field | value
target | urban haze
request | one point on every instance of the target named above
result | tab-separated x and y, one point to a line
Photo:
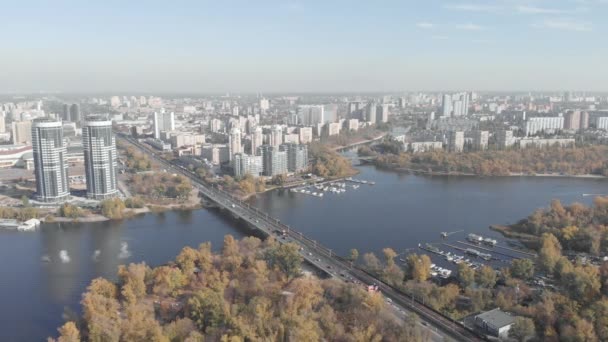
304	171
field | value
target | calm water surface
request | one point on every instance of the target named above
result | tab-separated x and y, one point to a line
400	211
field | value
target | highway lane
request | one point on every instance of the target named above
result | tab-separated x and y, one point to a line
440	328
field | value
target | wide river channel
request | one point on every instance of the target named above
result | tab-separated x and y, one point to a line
43	273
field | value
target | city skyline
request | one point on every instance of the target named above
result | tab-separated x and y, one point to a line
307	46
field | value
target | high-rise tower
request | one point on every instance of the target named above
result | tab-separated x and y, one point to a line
100	162
50	166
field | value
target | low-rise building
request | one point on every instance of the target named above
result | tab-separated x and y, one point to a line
332	128
352	124
187	139
291	139
10	155
495	322
158	144
423	146
536	142
216	153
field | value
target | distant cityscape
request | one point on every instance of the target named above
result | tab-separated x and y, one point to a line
69	141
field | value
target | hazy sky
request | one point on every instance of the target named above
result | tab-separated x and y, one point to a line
288	46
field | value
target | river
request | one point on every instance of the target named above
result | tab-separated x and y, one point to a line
399	211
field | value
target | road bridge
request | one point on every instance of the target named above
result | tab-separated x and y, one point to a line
318	255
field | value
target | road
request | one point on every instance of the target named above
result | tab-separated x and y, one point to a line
440	327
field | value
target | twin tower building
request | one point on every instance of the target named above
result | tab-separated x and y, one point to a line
50	159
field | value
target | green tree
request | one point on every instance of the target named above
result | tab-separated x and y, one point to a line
286	257
486	277
371	262
279	179
522	268
466	275
207	310
523	329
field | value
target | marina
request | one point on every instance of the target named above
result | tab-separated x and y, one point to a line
476	251
334	187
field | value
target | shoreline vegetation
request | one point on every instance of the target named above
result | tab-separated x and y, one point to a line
251	290
575	162
578	227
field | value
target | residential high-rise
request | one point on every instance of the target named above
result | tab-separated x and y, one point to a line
274	160
276	136
382	113
169	121
505	139
156	125
257	139
75	113
305	135
100	160
572	120
371	112
22	132
50	165
310	115
480	140
264	104
584	120
446	108
297	157
163	121
234	142
66	112
455	105
356	110
2	122
244	164
456	141
576	120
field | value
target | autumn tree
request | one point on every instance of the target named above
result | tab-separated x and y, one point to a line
132	278
486	277
549	253
353	255
418	267
389	256
69	333
207	310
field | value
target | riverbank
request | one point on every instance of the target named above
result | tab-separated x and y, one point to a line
529	241
467	174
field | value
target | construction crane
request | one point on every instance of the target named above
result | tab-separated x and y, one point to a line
446	234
